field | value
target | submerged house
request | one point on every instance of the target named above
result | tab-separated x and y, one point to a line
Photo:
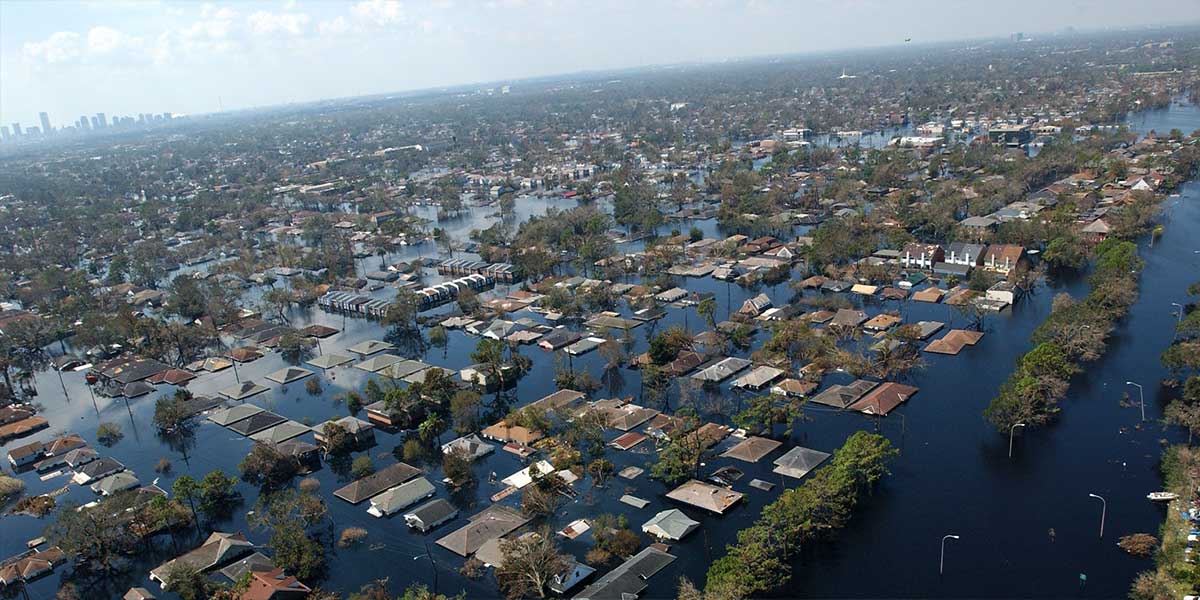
629	578
219	549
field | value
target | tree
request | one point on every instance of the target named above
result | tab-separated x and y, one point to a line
601	471
189	583
186	488
1068	251
361	467
764	412
708	309
468	301
665	346
267	467
456	466
530	563
431	429
216	494
544	495
402	313
170	412
490	354
338	441
289	514
680	458
464	411
278	300
98	537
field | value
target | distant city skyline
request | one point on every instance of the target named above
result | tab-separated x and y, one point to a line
130	56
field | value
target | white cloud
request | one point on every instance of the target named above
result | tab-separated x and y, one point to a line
264	23
336	26
102	40
60	47
380	12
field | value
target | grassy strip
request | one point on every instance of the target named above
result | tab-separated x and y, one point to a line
1173	578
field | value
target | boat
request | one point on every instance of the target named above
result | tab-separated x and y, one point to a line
1162	496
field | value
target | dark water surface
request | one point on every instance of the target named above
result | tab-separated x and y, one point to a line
953	476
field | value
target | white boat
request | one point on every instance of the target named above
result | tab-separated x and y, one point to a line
1162	496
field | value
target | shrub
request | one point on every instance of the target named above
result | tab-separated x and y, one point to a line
310	485
351	536
38	506
10	487
472	569
163	465
361	467
109	433
598	557
1139	544
312	385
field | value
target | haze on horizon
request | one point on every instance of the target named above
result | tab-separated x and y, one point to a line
71	58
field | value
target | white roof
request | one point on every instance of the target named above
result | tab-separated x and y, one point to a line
524	477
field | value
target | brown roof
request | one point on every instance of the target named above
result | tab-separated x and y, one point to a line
273	585
1000	252
752	449
796	386
628	440
884	398
953	342
930	294
23	427
504	433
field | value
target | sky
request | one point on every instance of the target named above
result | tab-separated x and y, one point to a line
132	56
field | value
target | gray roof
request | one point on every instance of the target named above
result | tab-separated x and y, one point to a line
403	369
431	513
722	370
672	524
376	483
629	577
473	444
402	496
378	363
115	483
326	361
256	423
289	374
370	347
243	390
798	461
234	414
281	432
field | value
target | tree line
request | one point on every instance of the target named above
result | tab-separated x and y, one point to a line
1075	332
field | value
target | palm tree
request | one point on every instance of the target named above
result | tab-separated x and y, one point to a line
431	428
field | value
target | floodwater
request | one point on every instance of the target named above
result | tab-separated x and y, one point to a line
1027	525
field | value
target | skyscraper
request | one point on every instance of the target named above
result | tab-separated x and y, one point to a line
17	129
103	121
83	123
5	135
45	118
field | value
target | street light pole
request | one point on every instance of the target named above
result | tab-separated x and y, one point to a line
1141	397
1010	436
942	561
1103	511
